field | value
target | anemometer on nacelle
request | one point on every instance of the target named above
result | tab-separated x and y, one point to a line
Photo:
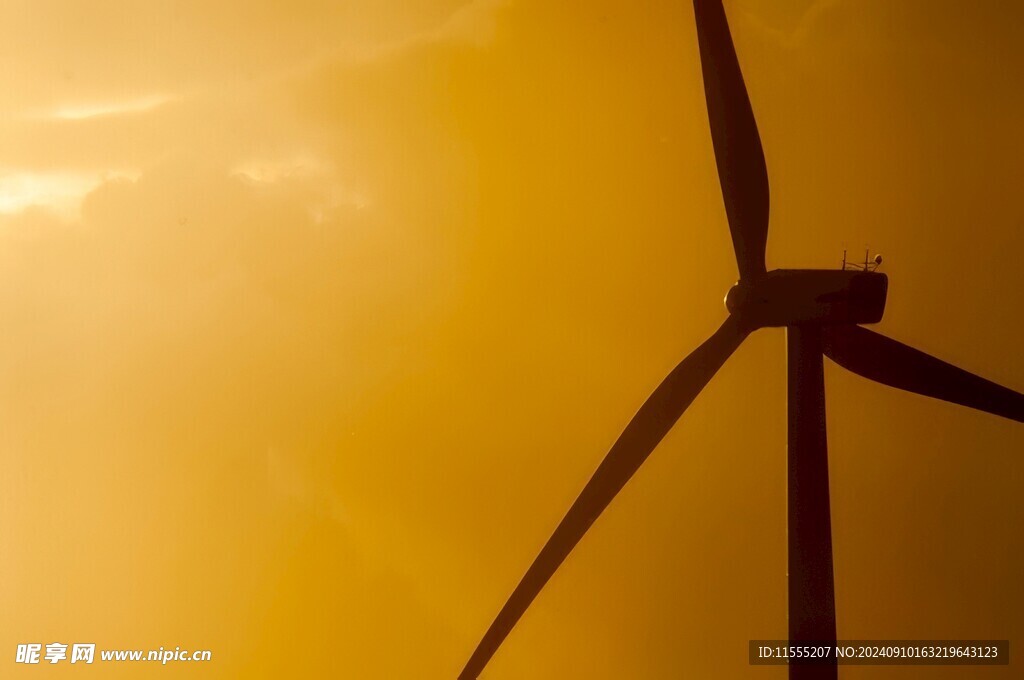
869	265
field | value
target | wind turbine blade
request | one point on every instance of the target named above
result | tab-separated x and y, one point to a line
892	363
650	424
741	167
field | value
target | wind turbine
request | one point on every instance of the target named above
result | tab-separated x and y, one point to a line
821	310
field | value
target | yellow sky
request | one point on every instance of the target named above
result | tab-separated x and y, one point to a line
318	315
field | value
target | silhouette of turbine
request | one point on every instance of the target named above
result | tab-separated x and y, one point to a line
820	310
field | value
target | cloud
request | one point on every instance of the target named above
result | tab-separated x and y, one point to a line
58	192
80	111
56	154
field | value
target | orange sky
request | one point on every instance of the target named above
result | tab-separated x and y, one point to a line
318	315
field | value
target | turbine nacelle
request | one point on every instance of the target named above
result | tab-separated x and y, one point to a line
789	297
